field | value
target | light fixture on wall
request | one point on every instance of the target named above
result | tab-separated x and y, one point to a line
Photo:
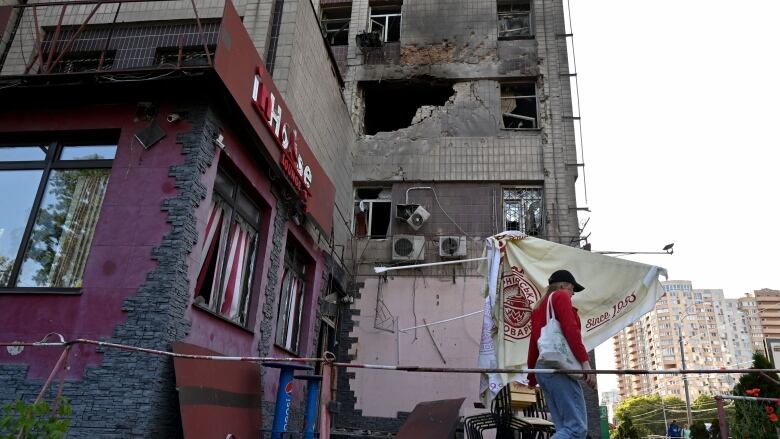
150	134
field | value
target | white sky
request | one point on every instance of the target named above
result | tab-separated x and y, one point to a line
679	100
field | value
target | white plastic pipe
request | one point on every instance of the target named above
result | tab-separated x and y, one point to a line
429	264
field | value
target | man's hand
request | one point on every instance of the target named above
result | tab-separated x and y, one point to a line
588	378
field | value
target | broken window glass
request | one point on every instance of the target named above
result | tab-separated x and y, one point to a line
519	106
372	213
523	210
335	25
514	19
386	21
228	251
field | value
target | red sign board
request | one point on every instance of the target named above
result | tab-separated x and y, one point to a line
239	66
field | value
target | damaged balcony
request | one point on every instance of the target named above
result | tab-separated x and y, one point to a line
95	37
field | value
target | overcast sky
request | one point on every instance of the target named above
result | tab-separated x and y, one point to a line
679	106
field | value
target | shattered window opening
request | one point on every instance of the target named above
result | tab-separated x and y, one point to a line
335	25
523	210
372	213
519	106
514	19
392	105
386	21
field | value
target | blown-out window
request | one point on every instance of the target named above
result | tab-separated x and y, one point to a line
519	106
51	198
228	252
514	19
335	25
372	212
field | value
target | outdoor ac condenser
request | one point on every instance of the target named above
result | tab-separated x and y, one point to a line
408	248
418	218
452	246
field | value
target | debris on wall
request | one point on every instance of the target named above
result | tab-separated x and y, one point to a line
413	54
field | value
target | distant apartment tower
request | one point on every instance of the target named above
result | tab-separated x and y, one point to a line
767	303
714	334
752	318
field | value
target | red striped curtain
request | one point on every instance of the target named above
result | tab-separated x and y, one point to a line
211	245
235	270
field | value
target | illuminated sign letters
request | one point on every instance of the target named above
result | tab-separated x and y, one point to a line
280	125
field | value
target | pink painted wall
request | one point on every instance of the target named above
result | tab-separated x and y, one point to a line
385	393
214	333
130	225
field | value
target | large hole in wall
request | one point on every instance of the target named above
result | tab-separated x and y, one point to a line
391	105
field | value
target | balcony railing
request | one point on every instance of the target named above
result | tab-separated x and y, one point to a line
99	36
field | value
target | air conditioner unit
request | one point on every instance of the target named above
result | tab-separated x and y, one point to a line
408	248
418	218
452	246
404	211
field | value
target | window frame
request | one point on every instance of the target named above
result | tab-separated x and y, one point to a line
50	162
216	298
299	263
535	98
500	14
331	34
370	216
543	226
377	12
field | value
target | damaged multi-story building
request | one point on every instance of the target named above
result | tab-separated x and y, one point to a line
466	128
158	203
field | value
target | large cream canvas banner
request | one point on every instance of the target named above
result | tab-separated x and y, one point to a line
617	293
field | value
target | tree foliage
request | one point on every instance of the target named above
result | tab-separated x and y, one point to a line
752	419
36	420
627	430
647	412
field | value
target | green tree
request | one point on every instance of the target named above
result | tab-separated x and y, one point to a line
36	420
752	419
647	412
627	430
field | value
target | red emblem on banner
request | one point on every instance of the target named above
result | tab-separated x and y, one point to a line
520	295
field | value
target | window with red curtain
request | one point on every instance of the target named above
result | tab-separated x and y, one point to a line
288	316
228	251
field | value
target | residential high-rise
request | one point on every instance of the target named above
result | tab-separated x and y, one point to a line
466	127
713	331
752	317
767	302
